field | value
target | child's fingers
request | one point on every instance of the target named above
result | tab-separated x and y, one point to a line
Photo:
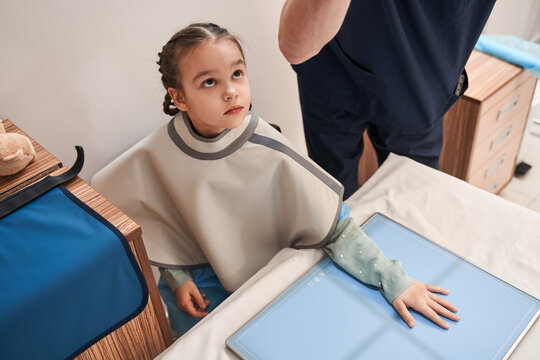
206	301
193	311
190	300
433	316
437	289
443	302
187	305
402	310
199	300
441	310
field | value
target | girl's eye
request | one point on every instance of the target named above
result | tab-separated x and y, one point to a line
209	83
237	74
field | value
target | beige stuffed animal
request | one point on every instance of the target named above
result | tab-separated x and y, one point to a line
16	151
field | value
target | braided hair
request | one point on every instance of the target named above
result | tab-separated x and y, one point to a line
181	42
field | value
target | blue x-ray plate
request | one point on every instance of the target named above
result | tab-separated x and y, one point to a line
327	314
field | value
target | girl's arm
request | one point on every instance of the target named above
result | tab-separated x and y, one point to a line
188	296
307	25
174	277
355	252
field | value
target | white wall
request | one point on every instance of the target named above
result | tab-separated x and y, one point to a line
520	18
83	72
76	72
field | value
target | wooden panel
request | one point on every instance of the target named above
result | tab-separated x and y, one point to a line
506	105
490	146
511	87
44	164
487	75
368	161
148	334
498	171
140	338
96	201
459	128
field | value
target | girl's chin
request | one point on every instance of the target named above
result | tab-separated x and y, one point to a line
234	124
236	120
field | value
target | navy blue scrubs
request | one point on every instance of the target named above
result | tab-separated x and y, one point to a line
394	68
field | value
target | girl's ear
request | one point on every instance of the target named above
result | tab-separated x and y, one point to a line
178	99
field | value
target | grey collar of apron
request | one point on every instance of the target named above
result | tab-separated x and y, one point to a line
183	135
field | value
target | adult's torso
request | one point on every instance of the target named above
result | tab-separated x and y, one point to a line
397	61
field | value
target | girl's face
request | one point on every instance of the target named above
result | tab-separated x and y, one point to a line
215	89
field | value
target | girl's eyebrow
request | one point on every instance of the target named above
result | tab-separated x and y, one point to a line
208	72
201	74
238	62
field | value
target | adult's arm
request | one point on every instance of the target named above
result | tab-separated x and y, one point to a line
307	25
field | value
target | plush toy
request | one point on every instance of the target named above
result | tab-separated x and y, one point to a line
16	151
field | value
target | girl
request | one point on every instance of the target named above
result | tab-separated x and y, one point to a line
218	191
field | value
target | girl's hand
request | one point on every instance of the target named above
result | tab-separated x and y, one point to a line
421	298
189	299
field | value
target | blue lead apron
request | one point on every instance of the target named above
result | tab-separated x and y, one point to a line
67	276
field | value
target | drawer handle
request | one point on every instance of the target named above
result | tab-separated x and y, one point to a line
494	167
493	186
501	138
508	107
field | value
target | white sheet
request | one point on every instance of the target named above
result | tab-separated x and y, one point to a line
490	232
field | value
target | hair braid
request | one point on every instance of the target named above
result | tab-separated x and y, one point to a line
169	76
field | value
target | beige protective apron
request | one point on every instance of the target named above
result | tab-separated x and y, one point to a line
232	201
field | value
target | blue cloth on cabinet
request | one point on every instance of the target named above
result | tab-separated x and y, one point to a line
67	276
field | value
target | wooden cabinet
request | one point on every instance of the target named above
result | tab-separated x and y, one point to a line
484	129
148	334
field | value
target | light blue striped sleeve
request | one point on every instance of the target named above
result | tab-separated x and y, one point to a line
174	277
356	253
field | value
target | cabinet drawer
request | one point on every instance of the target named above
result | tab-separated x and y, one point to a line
498	140
496	172
504	105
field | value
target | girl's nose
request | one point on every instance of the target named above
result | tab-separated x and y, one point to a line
230	93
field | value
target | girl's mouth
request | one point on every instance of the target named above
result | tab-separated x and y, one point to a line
234	110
